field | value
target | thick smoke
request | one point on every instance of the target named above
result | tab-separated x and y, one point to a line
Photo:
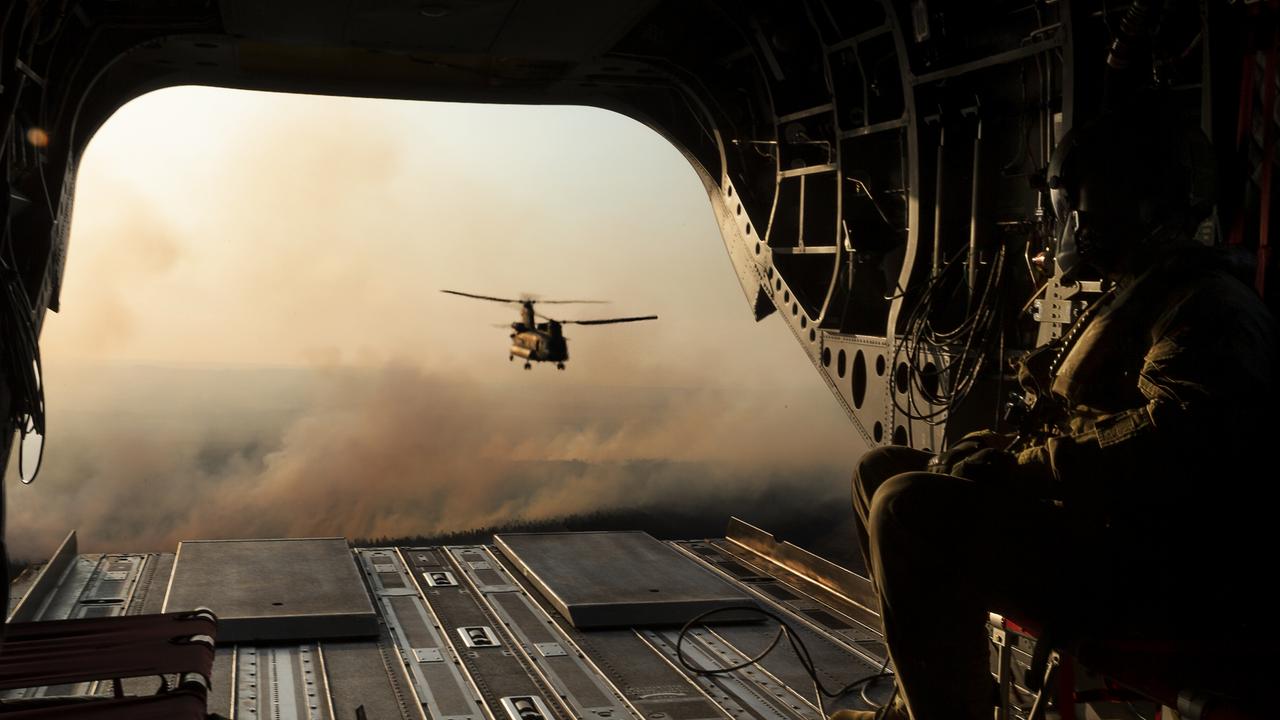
152	456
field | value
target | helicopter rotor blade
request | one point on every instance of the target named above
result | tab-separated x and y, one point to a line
570	302
482	297
609	321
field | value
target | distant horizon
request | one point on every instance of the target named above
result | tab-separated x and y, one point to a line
496	379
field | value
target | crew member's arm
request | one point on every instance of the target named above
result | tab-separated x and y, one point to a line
1206	344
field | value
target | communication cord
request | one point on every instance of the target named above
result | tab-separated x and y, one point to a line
797	646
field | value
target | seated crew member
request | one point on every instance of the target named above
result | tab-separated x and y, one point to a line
1140	507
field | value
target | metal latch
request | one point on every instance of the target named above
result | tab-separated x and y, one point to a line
441	578
525	707
476	636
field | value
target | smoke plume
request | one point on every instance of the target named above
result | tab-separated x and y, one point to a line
155	455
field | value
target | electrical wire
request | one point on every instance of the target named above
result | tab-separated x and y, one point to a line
22	366
20	363
20	352
797	646
862	691
955	355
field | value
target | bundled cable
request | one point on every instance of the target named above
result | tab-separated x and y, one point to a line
958	354
797	646
20	361
20	32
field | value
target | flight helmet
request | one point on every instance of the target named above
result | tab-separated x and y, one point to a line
1125	184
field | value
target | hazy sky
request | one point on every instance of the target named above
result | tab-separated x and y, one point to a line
235	227
219	233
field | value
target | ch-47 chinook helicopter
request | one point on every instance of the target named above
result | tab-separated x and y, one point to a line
544	341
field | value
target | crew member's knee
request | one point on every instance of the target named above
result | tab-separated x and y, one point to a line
880	464
904	503
869	473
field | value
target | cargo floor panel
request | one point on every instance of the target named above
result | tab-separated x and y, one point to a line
148	597
650	683
750	694
617	579
273	590
361	676
481	644
281	682
865	623
438	683
832	625
533	627
586	692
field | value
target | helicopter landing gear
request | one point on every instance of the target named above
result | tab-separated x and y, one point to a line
510	358
559	366
528	366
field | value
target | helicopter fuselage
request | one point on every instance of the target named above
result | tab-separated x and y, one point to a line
535	341
542	342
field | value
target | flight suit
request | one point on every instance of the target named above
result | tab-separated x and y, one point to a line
1142	507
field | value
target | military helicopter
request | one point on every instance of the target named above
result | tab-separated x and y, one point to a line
544	341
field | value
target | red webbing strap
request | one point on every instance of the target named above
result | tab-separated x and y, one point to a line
72	651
